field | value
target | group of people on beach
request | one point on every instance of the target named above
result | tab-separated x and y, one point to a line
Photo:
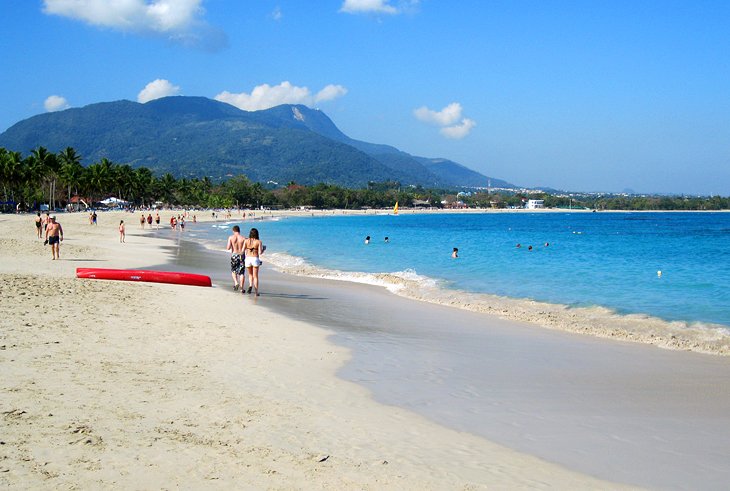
148	219
245	257
245	251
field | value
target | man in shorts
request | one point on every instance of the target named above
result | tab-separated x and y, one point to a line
235	245
54	236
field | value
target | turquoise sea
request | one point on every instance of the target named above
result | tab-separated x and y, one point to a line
655	418
591	260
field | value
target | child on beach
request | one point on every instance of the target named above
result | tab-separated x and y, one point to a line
121	231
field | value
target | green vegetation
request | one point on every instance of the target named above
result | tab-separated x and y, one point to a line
600	202
196	137
43	177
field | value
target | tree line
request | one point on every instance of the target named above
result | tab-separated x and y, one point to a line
44	177
600	202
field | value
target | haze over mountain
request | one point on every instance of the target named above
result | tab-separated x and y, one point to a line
196	137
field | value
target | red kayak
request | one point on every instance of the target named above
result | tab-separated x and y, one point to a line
144	275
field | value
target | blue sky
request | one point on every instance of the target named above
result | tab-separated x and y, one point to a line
578	95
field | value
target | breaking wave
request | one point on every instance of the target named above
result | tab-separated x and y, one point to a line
594	320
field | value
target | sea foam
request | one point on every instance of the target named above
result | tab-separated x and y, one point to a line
593	320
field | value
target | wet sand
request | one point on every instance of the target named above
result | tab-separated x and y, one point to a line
147	386
620	411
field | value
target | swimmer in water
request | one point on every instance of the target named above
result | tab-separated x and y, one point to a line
455	253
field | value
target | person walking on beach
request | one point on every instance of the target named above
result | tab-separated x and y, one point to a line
157	220
93	218
121	231
253	249
54	236
238	270
39	225
141	221
149	220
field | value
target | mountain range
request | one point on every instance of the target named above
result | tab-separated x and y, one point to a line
196	137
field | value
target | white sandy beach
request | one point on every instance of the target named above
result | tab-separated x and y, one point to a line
149	386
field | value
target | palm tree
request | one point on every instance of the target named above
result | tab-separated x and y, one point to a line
11	172
167	186
143	179
45	168
126	184
71	169
99	178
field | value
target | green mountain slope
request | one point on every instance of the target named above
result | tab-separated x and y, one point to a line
196	136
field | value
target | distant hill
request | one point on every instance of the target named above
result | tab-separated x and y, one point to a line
196	136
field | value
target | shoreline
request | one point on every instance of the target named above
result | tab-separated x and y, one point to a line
145	385
562	396
595	321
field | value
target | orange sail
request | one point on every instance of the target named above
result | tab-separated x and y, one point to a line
395	208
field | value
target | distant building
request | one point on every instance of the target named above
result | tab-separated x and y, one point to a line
534	204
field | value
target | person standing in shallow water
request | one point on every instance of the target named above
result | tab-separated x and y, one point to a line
238	270
253	249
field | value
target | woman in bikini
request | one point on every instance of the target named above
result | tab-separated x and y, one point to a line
253	249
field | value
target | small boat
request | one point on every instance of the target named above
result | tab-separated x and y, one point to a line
144	275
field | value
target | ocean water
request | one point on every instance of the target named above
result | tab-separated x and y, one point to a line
605	261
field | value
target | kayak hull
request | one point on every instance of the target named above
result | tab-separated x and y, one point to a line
145	275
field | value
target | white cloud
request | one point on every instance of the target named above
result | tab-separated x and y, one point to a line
179	20
448	115
368	6
459	131
276	14
156	89
330	92
144	15
379	7
55	103
447	119
266	96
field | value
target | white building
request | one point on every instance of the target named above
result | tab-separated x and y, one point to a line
534	204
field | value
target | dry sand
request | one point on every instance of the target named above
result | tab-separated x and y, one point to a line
131	386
